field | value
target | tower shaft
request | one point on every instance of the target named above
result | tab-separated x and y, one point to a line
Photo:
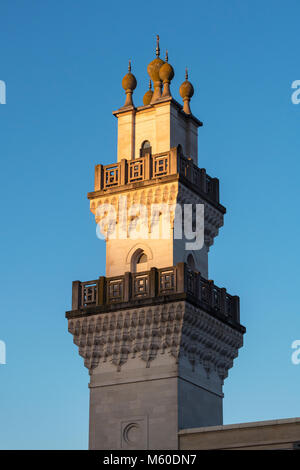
157	336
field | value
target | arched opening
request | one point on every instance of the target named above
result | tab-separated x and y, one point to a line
191	262
139	261
145	148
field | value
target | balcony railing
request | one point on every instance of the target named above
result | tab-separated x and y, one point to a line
156	166
132	287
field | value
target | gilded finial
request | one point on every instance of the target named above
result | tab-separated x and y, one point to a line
157	46
129	66
150	85
167	56
186	74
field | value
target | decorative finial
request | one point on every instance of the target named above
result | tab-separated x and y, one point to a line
150	85
129	84
153	71
186	91
167	56
157	46
148	96
166	74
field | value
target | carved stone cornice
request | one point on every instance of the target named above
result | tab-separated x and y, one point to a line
213	218
165	193
119	336
178	330
207	341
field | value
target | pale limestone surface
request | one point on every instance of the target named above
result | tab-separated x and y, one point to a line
163	124
161	252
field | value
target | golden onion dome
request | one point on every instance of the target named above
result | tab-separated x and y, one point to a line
155	65
129	81
153	69
186	89
166	71
148	95
129	84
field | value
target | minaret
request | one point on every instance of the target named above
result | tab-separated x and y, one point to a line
157	336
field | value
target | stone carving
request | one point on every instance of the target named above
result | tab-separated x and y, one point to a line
118	336
131	433
208	341
214	219
177	329
167	193
134	433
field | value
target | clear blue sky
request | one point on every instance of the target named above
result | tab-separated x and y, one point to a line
63	62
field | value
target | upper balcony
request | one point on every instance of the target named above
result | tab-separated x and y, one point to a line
158	166
133	290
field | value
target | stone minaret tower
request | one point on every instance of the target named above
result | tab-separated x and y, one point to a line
157	336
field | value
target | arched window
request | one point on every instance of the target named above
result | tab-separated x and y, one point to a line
145	148
191	262
139	261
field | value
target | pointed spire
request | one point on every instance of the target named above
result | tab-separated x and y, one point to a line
157	46
186	73
167	56
129	65
150	85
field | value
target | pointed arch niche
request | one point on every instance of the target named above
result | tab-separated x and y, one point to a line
138	258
